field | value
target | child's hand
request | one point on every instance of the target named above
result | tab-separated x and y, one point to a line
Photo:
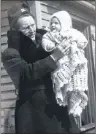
74	47
50	46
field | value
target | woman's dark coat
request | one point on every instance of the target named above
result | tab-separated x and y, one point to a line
36	109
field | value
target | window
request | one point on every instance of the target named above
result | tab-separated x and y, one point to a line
87	116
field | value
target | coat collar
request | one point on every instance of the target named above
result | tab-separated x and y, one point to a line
24	40
39	34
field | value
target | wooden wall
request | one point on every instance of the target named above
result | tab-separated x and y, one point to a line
8	96
77	12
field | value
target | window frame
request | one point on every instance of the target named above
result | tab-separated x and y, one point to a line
87	32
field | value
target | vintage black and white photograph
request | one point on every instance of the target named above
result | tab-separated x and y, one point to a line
48	67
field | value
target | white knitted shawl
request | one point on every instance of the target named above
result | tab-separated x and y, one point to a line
70	89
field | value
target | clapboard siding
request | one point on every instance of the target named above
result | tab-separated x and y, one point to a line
4	46
45	23
3	39
8	104
4	14
4	22
5	79
3	122
7	87
3	72
46	16
46	12
49	8
4	29
5	5
8	96
7	123
4	113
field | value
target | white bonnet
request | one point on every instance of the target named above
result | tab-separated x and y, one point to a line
64	18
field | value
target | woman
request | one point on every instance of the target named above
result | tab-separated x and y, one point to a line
36	109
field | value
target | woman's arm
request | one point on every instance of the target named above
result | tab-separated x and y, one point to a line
14	63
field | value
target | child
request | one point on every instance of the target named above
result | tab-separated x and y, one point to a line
69	90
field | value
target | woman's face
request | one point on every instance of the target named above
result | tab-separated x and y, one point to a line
27	26
55	25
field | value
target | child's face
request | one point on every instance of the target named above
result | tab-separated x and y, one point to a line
55	25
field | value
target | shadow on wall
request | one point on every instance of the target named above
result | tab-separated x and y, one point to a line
9	122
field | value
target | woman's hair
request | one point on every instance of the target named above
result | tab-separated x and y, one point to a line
16	12
16	26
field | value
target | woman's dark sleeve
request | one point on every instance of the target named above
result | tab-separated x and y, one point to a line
14	64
